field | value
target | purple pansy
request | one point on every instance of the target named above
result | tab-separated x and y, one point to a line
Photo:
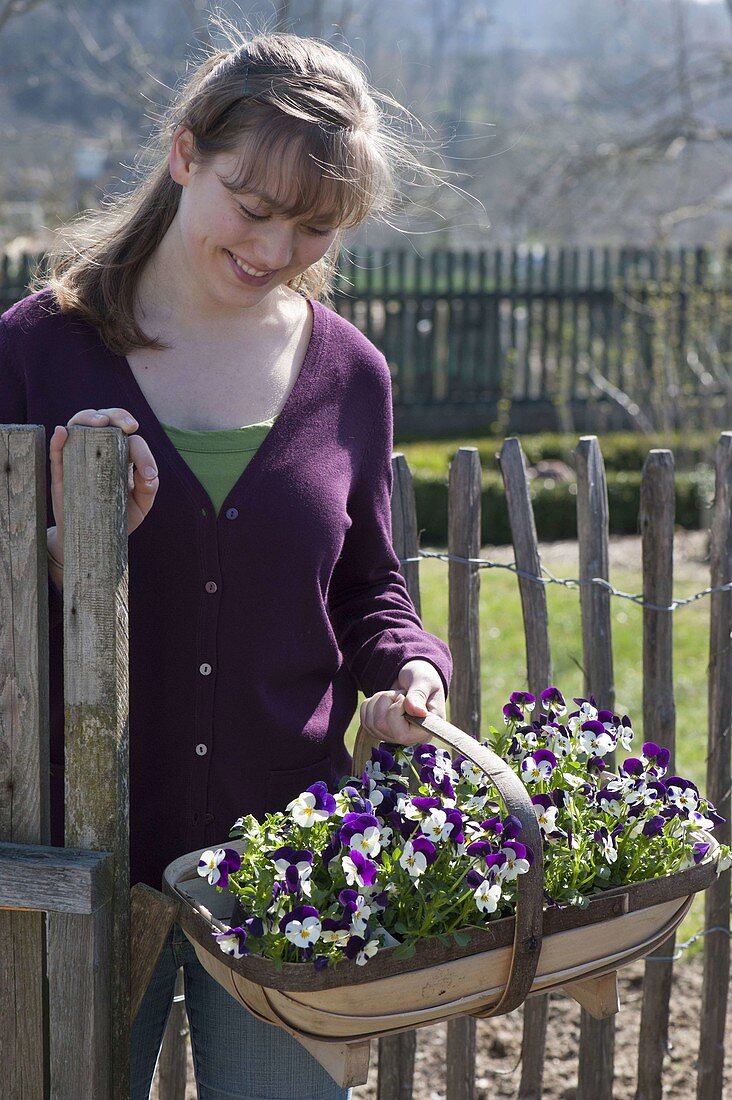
358	869
552	699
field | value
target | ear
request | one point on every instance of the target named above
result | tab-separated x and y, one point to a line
180	159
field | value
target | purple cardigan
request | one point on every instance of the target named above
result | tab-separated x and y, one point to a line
250	632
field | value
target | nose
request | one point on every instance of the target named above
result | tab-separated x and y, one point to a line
276	244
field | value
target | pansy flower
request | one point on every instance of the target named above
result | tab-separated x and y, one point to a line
301	926
518	860
313	805
552	699
360	950
416	856
656	757
538	767
359	870
294	866
218	864
594	739
487	896
232	941
546	812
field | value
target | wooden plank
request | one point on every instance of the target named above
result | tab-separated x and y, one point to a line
79	970
597	1033
24	640
24	774
659	725
539	676
23	1020
404	531
62	880
715	987
396	1066
97	694
151	918
598	996
173	1062
464	640
396	1053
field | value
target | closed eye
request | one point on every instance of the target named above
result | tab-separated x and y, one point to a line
315	230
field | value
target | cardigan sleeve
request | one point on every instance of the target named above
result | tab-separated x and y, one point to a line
14	410
373	617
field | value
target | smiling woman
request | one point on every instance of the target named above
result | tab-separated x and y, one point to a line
264	590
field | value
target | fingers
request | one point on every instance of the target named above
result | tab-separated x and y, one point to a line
105	418
142	482
382	715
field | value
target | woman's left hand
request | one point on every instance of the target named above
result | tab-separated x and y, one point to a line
417	690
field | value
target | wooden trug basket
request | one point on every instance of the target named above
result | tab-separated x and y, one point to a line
335	1013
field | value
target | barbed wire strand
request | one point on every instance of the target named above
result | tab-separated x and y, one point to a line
682	947
567	582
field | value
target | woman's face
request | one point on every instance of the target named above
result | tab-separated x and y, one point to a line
233	250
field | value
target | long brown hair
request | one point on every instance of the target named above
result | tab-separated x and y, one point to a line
278	99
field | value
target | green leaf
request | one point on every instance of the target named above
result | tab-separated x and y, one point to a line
462	939
404	951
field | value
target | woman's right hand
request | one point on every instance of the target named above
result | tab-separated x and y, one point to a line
142	482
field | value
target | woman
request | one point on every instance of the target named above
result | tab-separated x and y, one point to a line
264	590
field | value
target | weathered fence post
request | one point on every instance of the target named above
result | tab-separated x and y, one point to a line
539	670
97	797
717	902
597	1037
659	725
23	749
397	1052
464	640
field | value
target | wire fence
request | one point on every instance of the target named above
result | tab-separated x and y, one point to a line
567	582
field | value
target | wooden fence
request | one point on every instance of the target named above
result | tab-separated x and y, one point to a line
538	338
69	983
72	1040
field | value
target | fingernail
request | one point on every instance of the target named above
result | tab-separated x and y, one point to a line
150	473
130	420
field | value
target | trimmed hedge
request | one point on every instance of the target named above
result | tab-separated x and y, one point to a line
625	451
555	506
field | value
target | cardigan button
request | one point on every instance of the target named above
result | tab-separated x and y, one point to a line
232	513
201	750
211	586
205	669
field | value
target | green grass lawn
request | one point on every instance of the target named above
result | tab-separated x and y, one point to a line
503	659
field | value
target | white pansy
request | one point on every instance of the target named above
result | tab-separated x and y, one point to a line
487	897
208	865
303	933
684	797
368	842
413	862
366	952
436	827
338	936
547	817
230	945
471	773
513	867
595	744
360	916
304	812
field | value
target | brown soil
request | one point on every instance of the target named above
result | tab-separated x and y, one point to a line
498	1066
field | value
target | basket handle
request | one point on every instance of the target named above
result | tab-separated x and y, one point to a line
530	887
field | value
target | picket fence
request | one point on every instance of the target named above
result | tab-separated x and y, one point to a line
66	991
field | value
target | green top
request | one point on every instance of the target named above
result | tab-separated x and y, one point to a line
218	458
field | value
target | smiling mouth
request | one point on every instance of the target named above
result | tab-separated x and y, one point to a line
245	267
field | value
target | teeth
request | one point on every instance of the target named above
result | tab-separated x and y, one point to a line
248	270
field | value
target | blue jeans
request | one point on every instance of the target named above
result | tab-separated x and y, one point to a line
236	1056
